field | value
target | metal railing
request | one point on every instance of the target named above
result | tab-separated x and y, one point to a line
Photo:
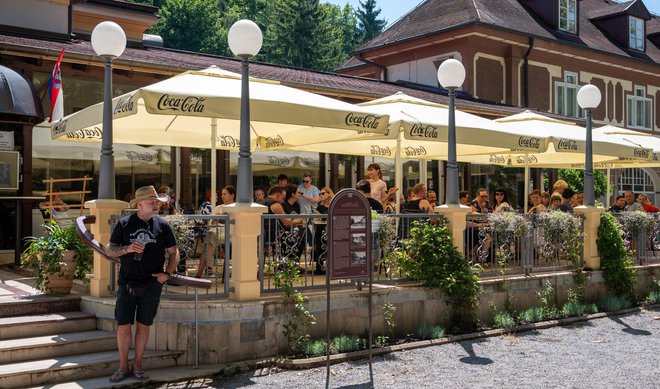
515	248
643	243
208	245
307	243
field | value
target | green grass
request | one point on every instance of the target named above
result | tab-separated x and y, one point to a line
576	308
504	320
426	331
314	348
345	344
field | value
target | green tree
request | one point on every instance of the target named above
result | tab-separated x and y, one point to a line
575	180
298	35
367	15
189	24
344	34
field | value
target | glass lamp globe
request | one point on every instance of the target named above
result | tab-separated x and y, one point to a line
245	38
588	96
451	73
108	39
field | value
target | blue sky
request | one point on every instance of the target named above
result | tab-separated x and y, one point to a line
391	10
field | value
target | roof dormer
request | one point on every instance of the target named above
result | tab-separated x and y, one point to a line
562	15
653	31
625	23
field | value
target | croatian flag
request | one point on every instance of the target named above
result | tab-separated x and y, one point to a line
55	92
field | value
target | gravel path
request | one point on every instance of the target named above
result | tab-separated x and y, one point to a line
613	352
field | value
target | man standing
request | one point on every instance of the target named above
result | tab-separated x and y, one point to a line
309	195
631	204
141	241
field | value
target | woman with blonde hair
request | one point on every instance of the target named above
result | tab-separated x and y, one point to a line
559	187
326	195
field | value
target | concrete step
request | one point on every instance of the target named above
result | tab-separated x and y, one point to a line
37	305
38	325
156	376
74	368
51	346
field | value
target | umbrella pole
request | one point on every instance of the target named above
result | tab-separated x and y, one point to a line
609	184
526	191
177	193
398	173
214	132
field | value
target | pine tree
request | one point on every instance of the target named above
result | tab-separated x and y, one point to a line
367	15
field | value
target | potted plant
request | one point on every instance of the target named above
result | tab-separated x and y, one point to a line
57	258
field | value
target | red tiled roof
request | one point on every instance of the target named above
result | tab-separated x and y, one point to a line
435	16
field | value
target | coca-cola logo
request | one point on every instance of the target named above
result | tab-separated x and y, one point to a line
567	144
282	161
378	150
228	141
125	104
60	127
641	153
181	104
520	159
274	141
310	162
428	131
529	143
363	121
86	133
135	156
410	151
496	159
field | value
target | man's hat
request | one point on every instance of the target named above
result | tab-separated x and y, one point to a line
148	193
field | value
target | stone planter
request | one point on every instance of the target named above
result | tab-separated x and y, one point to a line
61	283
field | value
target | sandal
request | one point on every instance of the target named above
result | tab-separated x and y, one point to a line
118	375
140	374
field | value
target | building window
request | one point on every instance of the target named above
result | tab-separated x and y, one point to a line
639	109
636	33
568	15
638	181
566	96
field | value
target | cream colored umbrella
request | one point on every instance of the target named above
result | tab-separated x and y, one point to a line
418	129
202	109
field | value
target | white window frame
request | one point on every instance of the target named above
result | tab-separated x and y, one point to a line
638	181
569	19
639	109
636	38
570	83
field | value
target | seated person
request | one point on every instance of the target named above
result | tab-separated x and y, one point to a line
365	188
619	204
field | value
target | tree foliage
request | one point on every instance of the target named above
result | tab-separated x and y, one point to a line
575	180
370	25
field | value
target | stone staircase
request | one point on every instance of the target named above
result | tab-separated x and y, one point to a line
48	342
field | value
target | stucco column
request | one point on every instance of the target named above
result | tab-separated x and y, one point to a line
244	284
591	224
455	215
103	209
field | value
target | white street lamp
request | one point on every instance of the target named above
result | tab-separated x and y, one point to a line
588	98
451	75
109	42
245	41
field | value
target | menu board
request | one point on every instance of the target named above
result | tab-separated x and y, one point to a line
349	230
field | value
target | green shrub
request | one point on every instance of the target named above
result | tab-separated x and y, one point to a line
429	255
427	331
577	308
345	344
653	297
532	315
313	348
618	268
504	320
614	303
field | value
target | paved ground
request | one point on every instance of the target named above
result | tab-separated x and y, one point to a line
613	352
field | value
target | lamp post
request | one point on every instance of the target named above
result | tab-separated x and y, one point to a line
451	75
245	41
588	97
109	42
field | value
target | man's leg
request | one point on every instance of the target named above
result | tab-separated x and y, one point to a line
141	338
124	344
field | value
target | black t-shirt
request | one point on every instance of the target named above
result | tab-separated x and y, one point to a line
157	236
375	205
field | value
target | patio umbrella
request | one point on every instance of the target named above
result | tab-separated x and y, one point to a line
202	109
418	129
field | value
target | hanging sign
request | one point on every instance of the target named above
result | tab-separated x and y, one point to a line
6	141
349	235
